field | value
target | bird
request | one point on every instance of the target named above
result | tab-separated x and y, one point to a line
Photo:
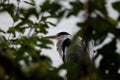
70	51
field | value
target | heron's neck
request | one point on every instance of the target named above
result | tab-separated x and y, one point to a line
62	44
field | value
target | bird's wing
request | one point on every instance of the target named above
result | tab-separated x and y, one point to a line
75	51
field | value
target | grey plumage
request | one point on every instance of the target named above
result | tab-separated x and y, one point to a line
75	51
71	51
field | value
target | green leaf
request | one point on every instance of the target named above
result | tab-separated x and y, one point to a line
2	31
97	28
110	60
109	49
30	3
12	30
44	43
23	22
26	13
116	6
51	7
45	6
112	21
54	7
43	28
44	18
100	6
51	23
11	12
76	7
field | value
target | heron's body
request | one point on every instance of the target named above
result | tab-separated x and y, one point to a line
70	51
75	51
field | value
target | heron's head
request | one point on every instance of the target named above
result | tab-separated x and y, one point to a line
60	35
63	41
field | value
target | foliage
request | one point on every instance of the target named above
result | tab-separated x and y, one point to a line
26	49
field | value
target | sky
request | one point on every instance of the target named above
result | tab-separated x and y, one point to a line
68	25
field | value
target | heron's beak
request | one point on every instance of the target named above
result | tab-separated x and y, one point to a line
51	37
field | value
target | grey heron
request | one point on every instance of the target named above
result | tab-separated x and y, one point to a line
68	50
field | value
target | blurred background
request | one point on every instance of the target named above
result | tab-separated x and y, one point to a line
66	24
26	55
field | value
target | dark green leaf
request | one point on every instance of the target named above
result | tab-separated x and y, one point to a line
45	6
28	12
2	31
43	28
76	7
54	8
51	23
44	43
25	21
12	30
116	6
31	3
100	6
